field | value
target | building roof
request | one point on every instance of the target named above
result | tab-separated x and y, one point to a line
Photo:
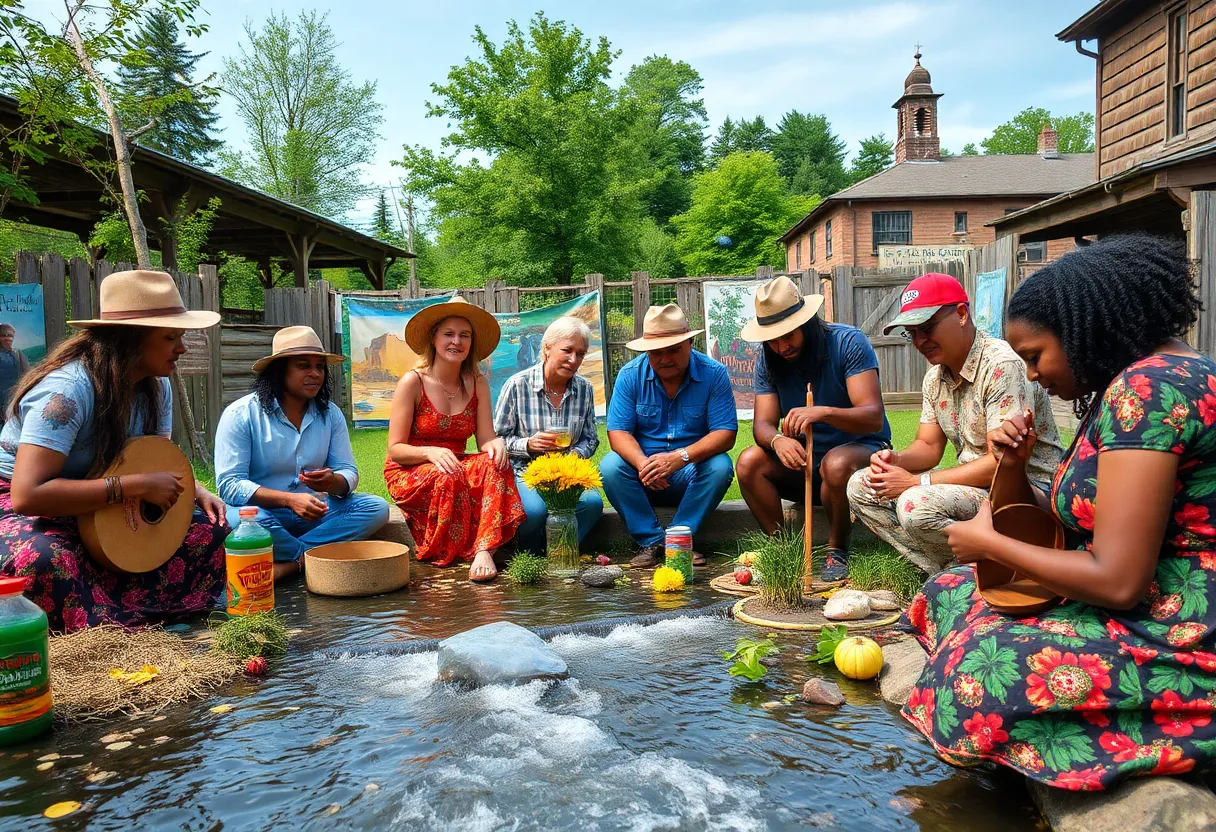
1102	18
1028	175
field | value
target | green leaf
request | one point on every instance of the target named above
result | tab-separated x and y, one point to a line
1087	624
829	639
1060	742
1043	635
949	606
1129	723
1206	746
945	715
994	666
1138	766
1202	483
1129	685
752	671
1159	437
1171	678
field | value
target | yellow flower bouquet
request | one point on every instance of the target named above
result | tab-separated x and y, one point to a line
560	479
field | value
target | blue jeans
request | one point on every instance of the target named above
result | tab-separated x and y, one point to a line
354	517
531	535
695	490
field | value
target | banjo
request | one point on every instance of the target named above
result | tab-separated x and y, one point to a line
136	536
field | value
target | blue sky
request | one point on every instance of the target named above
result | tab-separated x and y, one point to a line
990	58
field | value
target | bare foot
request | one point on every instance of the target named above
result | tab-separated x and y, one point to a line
483	568
285	569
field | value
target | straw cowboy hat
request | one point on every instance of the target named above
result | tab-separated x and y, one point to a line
145	298
780	309
296	340
664	326
486	331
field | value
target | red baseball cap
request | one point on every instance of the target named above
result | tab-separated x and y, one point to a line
923	297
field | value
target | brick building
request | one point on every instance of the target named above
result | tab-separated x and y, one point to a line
926	199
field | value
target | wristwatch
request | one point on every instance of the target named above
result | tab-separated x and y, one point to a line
683	452
925	479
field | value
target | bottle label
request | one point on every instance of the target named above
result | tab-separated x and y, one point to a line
25	684
250	580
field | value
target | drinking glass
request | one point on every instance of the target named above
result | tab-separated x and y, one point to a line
560	428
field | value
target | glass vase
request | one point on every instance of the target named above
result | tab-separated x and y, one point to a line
561	543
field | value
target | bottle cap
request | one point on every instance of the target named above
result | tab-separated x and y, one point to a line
249	511
12	586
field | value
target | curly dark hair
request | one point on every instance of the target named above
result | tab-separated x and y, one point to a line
1110	304
271	385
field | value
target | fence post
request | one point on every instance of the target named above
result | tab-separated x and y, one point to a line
54	298
641	300
208	275
764	272
26	266
101	270
490	298
80	280
593	283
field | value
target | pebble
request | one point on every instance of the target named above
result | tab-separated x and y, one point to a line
333	809
601	576
847	605
118	746
371	787
822	692
45	766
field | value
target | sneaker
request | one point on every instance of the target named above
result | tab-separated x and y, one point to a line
836	566
647	556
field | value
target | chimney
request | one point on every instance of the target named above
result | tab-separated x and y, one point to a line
1049	142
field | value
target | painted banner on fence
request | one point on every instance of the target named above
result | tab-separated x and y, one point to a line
373	338
21	308
913	257
990	301
728	306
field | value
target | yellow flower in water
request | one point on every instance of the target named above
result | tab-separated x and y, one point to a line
667	579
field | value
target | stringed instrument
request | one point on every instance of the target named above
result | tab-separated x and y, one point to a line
135	536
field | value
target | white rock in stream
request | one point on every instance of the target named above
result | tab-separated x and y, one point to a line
847	605
498	653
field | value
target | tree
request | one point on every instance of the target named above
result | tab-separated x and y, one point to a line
724	142
875	156
969	149
562	193
155	78
310	127
810	157
1021	133
727	315
745	201
382	220
741	137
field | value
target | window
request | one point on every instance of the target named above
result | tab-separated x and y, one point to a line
798	255
811	247
960	222
1176	117
1035	252
827	240
891	228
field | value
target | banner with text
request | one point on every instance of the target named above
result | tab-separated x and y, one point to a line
729	304
914	257
21	308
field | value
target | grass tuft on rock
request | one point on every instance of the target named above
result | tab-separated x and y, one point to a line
878	566
526	568
779	560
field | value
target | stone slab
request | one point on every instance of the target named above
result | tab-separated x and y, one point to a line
902	663
498	653
1146	804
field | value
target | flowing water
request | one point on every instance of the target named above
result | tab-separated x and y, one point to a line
649	733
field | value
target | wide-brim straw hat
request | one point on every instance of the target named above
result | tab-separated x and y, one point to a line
664	326
145	298
486	331
292	341
780	309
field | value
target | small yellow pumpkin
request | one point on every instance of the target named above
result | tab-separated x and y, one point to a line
858	657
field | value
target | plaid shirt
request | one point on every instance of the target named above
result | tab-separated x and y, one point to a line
523	409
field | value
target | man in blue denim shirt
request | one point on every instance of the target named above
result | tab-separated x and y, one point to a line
671	422
285	449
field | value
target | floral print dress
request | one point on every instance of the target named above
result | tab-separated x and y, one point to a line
1081	697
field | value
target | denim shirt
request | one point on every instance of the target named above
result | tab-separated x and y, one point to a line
703	403
255	449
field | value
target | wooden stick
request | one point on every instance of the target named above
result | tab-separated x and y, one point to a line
810	476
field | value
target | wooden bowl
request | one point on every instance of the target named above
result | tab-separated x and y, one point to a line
357	568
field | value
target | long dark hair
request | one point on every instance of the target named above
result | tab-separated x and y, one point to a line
1110	304
271	385
109	355
808	362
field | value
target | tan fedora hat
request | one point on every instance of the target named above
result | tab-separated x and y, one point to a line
780	309
145	298
664	326
486	331
296	340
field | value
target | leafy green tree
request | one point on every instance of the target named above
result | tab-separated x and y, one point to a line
657	252
741	137
1021	133
724	141
810	157
744	200
875	156
969	149
562	192
727	316
155	78
310	127
382	219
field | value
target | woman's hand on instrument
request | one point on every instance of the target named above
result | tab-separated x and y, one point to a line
791	452
307	506
799	419
443	459
321	479
210	505
972	540
1015	437
160	489
542	442
496	449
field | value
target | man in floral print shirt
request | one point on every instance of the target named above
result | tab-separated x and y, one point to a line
975	383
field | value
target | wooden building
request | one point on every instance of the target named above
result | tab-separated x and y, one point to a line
1155	106
926	199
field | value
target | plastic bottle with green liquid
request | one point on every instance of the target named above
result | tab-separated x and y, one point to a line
25	674
249	552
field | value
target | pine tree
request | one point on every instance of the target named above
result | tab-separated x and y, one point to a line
382	224
161	68
724	142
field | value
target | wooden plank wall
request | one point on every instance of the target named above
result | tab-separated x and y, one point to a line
1201	250
240	346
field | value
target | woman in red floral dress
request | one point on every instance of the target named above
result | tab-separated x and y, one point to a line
458	506
1117	681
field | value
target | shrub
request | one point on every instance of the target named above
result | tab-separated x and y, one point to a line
526	568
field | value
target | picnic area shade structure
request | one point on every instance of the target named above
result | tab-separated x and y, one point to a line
249	223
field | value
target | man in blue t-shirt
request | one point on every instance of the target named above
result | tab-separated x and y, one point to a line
849	423
671	422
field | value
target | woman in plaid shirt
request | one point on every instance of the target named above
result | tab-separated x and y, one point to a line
550	407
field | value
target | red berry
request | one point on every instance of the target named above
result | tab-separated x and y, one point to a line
603	560
256	665
743	577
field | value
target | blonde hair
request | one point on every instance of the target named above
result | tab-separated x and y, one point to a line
469	367
566	326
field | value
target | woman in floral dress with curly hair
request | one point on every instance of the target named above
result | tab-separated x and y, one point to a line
1118	680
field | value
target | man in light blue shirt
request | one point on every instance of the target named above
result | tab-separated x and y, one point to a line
671	421
285	449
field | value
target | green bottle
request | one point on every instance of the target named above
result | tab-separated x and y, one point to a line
25	675
249	553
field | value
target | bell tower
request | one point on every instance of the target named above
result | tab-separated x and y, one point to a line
916	113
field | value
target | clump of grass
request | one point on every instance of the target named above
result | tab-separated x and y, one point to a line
245	636
878	566
526	568
779	560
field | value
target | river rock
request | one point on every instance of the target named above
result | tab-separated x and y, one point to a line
1139	805
498	653
847	605
602	576
902	663
822	692
883	600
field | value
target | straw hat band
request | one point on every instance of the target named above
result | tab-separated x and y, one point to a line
667	333
778	317
143	313
317	350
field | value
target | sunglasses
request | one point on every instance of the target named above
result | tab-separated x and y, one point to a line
926	329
